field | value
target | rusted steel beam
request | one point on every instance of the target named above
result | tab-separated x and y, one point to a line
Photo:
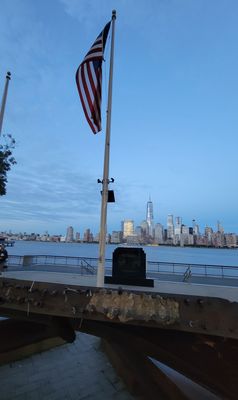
195	314
210	361
140	375
16	333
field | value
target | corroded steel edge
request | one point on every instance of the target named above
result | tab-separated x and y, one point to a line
195	314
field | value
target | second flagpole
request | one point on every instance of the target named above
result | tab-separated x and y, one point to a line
103	223
4	99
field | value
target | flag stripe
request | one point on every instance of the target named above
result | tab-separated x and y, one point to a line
95	84
85	104
89	81
90	93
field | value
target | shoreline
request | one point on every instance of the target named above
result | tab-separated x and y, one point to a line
132	245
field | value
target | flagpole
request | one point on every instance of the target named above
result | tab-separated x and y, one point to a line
103	223
4	98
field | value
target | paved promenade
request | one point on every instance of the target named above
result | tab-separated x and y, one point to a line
187	288
77	371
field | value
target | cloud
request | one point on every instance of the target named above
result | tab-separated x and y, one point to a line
83	10
56	195
53	196
130	13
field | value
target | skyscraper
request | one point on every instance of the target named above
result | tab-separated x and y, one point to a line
178	226
70	234
87	236
159	233
170	227
144	230
195	228
220	227
150	218
127	227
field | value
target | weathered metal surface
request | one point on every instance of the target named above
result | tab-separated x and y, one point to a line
210	361
132	306
15	334
195	314
140	374
20	339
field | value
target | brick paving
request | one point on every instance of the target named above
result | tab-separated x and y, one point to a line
77	371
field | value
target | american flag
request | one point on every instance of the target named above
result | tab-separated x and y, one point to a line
89	81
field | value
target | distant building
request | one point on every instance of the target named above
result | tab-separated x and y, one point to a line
178	226
208	235
77	237
139	233
144	231
195	229
96	237
127	228
44	238
116	237
150	218
132	239
218	239
159	234
55	238
186	239
230	240
220	227
88	236
170	227
70	234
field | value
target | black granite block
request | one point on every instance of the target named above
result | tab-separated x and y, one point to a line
129	267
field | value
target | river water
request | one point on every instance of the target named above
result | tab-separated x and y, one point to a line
153	253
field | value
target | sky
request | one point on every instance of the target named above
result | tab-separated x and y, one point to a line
174	133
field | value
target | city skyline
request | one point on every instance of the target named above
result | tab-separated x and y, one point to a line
175	233
168	221
174	113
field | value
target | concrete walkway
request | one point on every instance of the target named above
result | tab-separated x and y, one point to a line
77	371
187	288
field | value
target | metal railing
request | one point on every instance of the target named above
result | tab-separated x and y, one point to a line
82	265
156	270
199	270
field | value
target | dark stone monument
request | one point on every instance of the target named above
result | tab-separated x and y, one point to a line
129	267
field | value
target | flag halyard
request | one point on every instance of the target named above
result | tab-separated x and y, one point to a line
89	81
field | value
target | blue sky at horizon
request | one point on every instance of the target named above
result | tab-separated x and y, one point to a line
174	116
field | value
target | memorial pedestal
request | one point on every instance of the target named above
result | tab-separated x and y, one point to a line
129	267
